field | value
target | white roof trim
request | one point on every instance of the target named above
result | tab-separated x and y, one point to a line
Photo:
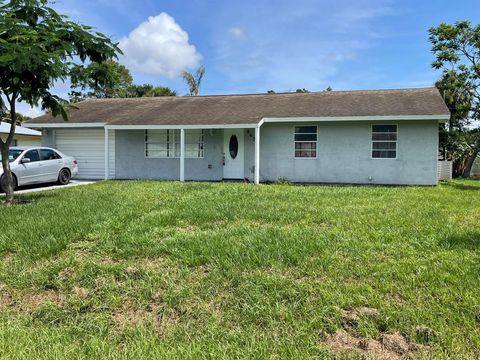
440	118
67	125
206	126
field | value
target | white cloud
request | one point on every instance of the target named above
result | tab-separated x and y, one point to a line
236	32
159	46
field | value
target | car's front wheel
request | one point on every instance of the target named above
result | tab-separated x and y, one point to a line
3	180
64	177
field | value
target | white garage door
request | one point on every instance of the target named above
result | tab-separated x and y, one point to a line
88	147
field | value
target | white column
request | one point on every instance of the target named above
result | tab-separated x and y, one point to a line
257	155
107	155
182	154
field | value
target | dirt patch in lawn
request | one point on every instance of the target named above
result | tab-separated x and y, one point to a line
353	316
152	315
6	300
131	317
29	302
389	347
51	296
81	292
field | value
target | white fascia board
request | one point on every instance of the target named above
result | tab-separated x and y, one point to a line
439	118
159	127
66	125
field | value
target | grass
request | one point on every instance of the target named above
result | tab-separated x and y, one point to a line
146	269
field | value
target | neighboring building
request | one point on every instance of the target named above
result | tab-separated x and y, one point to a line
364	137
23	136
476	168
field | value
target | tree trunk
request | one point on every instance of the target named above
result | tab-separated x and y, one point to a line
7	177
471	159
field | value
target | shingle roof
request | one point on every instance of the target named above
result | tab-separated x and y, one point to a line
248	109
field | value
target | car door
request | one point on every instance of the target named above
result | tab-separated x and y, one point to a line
51	164
29	172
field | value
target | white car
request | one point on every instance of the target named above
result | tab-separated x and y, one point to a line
36	165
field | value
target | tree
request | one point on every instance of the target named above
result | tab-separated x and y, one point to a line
194	81
457	54
456	136
303	90
20	118
108	79
38	47
148	90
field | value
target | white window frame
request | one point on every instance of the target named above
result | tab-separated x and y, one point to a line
372	141
294	142
173	141
191	141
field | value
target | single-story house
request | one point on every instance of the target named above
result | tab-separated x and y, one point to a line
364	137
23	136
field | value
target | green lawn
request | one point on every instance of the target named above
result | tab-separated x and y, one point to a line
147	269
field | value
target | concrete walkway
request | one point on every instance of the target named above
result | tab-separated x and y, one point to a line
45	187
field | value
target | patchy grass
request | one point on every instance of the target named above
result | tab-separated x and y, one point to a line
146	269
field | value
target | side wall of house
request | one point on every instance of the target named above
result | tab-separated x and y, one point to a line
23	140
344	154
131	162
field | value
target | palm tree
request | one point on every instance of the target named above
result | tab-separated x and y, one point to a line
194	81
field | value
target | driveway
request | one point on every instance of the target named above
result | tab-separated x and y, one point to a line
45	187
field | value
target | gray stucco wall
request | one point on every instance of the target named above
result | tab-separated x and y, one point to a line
131	162
344	154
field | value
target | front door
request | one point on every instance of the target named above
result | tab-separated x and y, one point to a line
233	154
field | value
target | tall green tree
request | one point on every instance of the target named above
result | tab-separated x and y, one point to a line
194	80
38	46
107	79
456	137
457	54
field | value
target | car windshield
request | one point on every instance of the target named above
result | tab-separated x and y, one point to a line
13	154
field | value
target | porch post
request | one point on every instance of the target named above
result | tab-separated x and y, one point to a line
182	154
107	155
257	154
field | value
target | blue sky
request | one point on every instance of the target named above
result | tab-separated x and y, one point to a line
252	46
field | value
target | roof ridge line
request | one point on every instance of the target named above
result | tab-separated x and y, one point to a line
263	94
